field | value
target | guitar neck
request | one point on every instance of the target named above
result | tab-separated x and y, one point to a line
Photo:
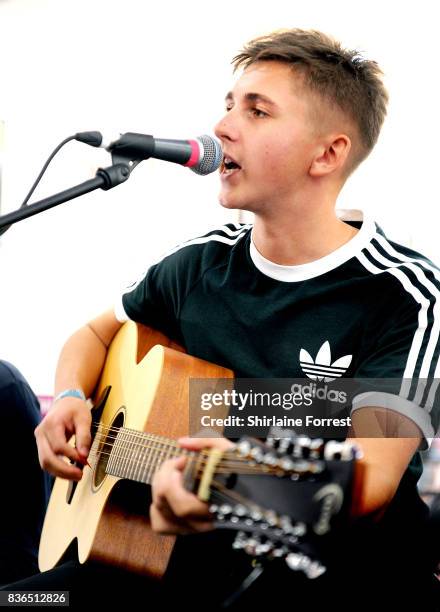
137	455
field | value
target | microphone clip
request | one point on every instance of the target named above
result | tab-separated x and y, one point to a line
113	175
131	147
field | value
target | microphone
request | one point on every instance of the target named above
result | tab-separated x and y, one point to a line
202	155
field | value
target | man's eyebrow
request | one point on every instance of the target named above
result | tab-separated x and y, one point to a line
252	97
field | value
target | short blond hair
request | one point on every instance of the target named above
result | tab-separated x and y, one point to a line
340	76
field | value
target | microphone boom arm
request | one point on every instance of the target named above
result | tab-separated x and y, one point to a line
105	178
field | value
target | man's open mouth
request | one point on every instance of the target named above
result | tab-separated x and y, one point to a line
229	166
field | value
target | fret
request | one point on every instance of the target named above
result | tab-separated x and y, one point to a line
145	463
168	453
149	460
159	455
112	463
127	454
158	459
124	454
111	460
134	455
119	453
162	454
142	456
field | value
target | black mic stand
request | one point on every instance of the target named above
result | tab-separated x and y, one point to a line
106	178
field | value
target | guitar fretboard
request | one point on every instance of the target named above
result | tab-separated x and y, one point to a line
136	455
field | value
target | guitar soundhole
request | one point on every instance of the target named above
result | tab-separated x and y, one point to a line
105	448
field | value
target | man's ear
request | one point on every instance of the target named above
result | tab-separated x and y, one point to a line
331	157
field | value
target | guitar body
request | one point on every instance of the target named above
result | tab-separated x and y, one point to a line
143	387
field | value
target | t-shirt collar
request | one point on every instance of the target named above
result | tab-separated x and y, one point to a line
320	266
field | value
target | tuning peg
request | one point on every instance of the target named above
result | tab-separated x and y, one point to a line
302	447
263	548
244	448
225	509
302	466
239	541
256	514
220	512
335	451
252	545
299	529
280	552
240	510
272	442
257	454
271	518
270	459
316	448
343	451
316	466
299	562
286	446
286	525
286	464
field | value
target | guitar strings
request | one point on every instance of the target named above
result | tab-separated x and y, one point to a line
141	434
224	466
150	470
161	442
143	437
167	448
151	441
113	429
124	444
170	448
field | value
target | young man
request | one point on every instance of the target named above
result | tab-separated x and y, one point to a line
299	120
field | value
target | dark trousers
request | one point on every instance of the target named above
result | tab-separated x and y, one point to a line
25	487
201	577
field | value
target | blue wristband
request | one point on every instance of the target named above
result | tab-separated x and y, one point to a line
70	393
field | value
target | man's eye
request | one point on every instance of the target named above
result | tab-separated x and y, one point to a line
259	113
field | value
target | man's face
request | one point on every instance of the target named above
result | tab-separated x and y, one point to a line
267	130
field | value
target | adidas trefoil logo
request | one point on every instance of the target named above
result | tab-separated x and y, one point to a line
322	368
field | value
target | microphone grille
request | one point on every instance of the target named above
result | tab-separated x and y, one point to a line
210	158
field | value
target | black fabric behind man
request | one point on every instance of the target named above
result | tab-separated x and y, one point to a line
25	487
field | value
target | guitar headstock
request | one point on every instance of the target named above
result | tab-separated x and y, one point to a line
283	496
263	534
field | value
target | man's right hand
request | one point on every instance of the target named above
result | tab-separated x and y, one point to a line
70	416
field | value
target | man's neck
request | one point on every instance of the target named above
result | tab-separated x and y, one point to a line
301	238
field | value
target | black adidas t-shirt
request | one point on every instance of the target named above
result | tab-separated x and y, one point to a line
366	311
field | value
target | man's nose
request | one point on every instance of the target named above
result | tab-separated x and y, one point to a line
226	129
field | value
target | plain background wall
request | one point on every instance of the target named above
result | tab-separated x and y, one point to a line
163	69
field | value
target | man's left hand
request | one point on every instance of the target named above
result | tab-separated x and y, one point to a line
174	510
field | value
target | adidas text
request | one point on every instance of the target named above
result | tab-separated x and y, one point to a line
322	393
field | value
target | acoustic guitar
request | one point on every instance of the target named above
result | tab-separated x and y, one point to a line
281	497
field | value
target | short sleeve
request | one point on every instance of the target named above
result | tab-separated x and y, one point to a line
153	300
401	371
